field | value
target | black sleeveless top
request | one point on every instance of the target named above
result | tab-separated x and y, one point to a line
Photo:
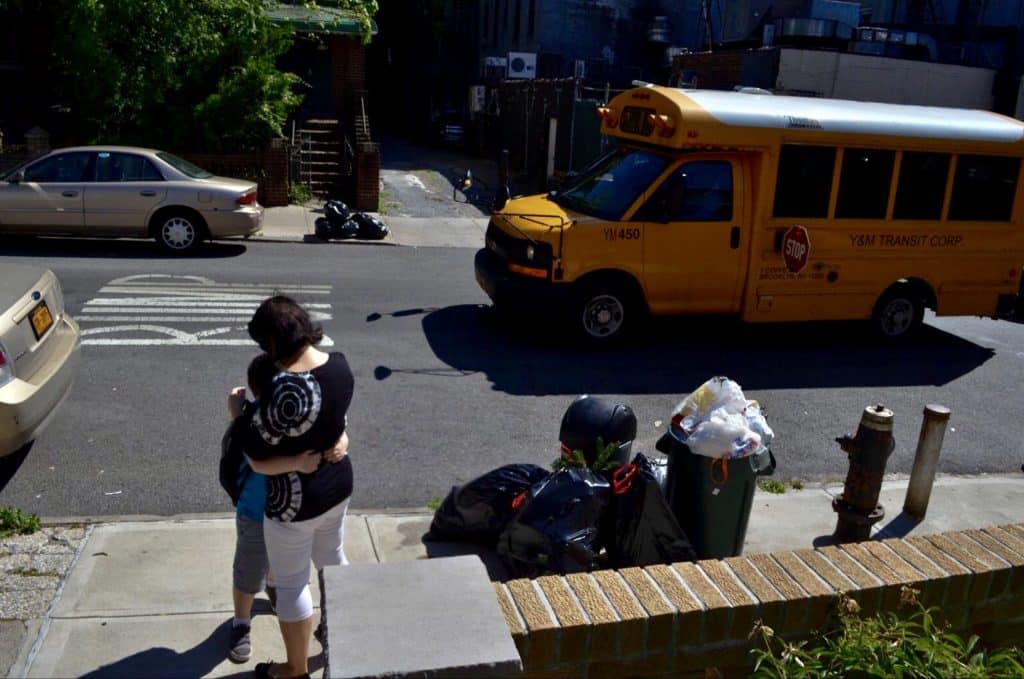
302	411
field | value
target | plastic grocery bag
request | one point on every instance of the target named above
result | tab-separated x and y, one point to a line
639	528
718	421
556	530
478	511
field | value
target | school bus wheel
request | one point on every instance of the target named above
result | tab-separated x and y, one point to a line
605	309
899	312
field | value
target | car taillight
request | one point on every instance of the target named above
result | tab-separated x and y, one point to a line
6	369
247	198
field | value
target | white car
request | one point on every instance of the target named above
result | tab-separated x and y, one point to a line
125	191
39	352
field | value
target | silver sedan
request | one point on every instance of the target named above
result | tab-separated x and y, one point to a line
124	191
38	353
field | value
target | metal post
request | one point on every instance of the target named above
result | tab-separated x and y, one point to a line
868	451
926	460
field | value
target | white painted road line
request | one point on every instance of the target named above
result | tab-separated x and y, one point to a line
147	309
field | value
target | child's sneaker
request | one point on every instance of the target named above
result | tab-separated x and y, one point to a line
240	645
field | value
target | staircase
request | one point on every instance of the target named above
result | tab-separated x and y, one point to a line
324	163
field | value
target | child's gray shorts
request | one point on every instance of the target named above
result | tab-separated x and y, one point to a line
250	569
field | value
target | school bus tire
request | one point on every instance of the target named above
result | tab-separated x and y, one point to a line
899	312
605	309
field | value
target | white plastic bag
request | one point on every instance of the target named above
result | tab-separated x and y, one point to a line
718	392
717	420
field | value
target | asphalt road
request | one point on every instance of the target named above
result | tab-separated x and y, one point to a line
445	390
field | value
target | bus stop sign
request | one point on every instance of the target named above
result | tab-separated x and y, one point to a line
796	248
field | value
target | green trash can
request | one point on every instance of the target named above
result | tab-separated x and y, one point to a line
711	498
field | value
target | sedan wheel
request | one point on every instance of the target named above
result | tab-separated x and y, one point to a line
178	233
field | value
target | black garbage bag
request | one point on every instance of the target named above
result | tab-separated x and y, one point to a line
337	212
479	510
323	228
639	528
556	530
370	227
347	229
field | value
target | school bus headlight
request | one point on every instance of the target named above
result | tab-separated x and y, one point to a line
530	271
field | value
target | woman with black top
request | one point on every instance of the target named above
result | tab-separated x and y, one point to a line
307	492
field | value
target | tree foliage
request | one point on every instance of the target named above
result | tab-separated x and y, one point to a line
177	73
182	74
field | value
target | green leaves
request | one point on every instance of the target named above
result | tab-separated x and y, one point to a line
603	462
14	522
179	74
885	645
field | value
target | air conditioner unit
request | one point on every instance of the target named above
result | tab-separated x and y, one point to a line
522	65
580	68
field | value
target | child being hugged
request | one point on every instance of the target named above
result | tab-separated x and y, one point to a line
248	491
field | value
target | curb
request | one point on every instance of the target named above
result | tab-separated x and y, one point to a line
206	516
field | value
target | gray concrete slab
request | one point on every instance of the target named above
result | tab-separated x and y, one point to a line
443	611
399	537
154	646
804	518
358	545
154	568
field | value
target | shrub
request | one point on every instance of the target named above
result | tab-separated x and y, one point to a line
884	645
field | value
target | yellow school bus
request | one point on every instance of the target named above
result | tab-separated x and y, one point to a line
773	208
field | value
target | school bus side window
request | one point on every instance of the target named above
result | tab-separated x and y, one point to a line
864	183
804	181
983	188
695	192
922	185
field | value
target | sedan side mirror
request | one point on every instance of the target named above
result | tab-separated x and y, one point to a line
17	178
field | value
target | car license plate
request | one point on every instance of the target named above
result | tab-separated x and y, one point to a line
41	319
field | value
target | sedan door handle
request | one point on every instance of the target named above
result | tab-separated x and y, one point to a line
734	237
149	194
69	194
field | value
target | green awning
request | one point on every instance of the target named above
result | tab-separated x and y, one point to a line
300	18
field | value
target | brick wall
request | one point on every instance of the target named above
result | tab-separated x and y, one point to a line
268	168
683	618
367	177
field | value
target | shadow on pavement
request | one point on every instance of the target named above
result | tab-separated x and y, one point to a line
530	355
10	464
29	246
195	662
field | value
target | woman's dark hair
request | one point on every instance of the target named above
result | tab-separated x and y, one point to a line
261	370
281	327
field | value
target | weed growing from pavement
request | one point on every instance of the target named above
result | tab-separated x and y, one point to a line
797	484
15	522
434	503
772	486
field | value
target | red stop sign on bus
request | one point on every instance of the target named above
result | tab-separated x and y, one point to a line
796	248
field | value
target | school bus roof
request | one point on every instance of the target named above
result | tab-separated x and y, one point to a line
711	117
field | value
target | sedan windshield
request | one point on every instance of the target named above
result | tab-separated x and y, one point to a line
183	166
611	185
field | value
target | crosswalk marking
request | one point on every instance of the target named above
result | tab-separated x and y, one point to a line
147	310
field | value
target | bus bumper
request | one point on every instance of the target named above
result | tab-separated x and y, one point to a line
516	292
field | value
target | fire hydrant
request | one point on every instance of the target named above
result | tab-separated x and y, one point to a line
868	450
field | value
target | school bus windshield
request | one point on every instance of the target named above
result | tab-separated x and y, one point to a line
609	187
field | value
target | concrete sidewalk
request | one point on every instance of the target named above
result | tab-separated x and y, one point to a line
153	598
295	223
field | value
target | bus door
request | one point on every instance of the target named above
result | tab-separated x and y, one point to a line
695	232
